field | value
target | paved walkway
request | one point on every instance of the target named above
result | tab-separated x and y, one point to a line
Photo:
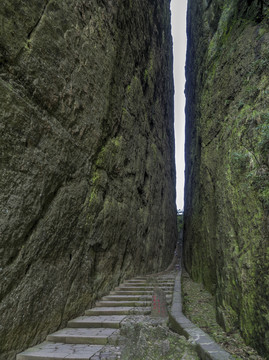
95	335
206	347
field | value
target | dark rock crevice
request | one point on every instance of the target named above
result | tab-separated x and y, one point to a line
31	32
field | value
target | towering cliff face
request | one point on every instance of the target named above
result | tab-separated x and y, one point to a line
87	156
227	146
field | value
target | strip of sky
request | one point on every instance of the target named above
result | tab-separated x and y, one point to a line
179	10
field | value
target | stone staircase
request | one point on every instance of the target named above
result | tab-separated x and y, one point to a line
95	335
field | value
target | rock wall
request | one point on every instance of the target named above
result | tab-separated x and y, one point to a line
227	171
87	156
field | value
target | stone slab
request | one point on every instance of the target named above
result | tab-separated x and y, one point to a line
82	335
159	305
88	334
111	321
127	292
59	351
127	297
206	347
132	288
108	353
109	311
136	298
140	311
146	286
120	303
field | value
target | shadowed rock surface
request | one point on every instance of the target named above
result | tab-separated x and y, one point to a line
87	172
227	145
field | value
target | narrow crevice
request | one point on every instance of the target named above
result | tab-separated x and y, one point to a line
210	141
30	34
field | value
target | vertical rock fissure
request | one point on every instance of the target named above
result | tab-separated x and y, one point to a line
31	33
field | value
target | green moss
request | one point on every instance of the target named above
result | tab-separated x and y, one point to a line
146	75
152	340
93	197
27	45
149	72
109	156
95	178
240	160
229	191
223	32
154	149
199	306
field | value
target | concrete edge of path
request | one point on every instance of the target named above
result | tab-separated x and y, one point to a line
205	346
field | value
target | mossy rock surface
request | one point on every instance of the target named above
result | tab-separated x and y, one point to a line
226	215
200	307
87	173
150	339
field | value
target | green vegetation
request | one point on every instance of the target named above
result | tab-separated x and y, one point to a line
109	156
200	307
228	185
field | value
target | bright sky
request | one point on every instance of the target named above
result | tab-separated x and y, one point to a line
178	9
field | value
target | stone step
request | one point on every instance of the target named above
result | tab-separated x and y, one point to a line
140	311
60	351
111	321
88	336
151	285
145	282
145	285
149	282
140	293
149	288
119	303
94	336
126	310
150	277
108	353
124	297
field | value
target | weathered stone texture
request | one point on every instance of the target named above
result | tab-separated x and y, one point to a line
227	171
87	156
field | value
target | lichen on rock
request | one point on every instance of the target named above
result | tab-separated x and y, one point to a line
227	170
149	338
85	202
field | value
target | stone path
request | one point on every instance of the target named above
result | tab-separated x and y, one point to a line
206	347
95	335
